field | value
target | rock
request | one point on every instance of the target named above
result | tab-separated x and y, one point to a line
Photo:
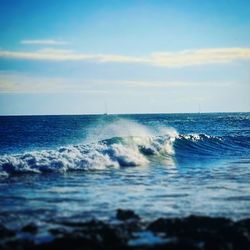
208	233
30	228
124	215
193	232
5	232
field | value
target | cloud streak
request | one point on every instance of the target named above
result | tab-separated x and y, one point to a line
18	83
42	42
160	59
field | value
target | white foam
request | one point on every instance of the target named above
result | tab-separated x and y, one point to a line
197	137
134	146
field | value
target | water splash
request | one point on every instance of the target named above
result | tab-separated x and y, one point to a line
119	143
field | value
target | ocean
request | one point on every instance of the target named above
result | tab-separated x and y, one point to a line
87	166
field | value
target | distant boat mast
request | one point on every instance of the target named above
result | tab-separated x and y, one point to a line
106	109
199	109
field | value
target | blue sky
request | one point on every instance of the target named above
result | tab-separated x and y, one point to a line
72	57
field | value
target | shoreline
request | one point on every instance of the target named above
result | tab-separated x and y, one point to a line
129	231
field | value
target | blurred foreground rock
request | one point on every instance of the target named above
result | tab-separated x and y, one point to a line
127	231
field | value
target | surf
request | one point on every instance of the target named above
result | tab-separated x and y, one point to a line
120	143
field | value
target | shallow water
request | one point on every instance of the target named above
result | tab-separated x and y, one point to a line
159	165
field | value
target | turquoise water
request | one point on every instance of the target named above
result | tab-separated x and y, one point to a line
158	165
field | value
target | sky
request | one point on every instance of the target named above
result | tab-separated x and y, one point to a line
133	56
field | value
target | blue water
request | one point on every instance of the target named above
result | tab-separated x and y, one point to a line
157	164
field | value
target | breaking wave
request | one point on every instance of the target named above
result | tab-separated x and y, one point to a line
120	144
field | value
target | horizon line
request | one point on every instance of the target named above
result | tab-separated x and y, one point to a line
114	114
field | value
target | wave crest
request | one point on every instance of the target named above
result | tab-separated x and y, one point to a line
135	146
133	149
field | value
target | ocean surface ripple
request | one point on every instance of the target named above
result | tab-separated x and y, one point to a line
158	164
140	145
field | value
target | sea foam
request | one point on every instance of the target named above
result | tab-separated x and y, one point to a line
122	143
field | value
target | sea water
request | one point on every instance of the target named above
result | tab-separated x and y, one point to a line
87	166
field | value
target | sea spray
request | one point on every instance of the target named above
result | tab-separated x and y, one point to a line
121	143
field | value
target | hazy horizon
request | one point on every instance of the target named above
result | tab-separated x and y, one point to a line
120	114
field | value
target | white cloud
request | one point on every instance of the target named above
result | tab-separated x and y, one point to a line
13	82
160	59
20	83
200	57
43	42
